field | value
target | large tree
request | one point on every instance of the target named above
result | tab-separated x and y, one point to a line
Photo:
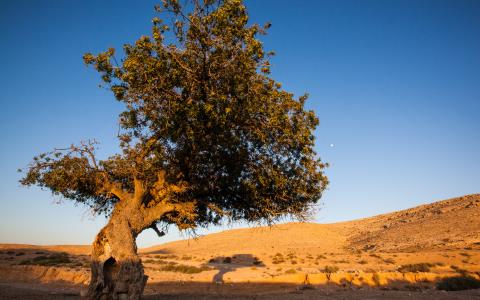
206	135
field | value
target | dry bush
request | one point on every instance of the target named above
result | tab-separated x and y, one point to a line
421	267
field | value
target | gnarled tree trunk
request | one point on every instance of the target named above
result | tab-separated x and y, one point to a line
117	271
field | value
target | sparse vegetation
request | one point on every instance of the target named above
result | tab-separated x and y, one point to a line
184	268
159	262
415	268
48	260
459	270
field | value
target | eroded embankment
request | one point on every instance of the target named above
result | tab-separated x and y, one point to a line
43	274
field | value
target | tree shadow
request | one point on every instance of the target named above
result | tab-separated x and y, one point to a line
226	264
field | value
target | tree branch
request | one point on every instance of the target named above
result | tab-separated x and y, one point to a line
152	214
157	231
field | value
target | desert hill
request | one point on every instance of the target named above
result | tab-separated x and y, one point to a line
450	223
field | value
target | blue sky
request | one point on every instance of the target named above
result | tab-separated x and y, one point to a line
396	85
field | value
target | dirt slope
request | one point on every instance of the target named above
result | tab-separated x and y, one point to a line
449	223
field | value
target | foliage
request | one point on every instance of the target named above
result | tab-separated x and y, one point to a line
205	131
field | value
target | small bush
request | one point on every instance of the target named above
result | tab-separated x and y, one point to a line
20	254
363	262
330	269
458	283
227	260
390	261
320	256
257	261
290	271
278	259
422	267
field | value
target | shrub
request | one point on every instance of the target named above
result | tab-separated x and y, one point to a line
390	261
330	269
458	283
257	261
227	260
422	267
278	259
184	268
290	271
320	256
362	262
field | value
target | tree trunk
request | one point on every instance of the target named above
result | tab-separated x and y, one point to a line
117	271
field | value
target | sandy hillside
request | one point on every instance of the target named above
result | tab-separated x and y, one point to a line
441	225
400	253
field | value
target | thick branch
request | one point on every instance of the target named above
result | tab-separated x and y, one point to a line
154	213
157	231
139	192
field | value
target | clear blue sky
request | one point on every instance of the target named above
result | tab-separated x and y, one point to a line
396	85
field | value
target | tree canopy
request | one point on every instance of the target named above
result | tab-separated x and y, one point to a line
205	129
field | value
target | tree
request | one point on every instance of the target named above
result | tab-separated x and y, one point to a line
206	135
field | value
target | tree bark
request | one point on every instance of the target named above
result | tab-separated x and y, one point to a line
117	271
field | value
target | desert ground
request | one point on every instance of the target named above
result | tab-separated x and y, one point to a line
427	252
